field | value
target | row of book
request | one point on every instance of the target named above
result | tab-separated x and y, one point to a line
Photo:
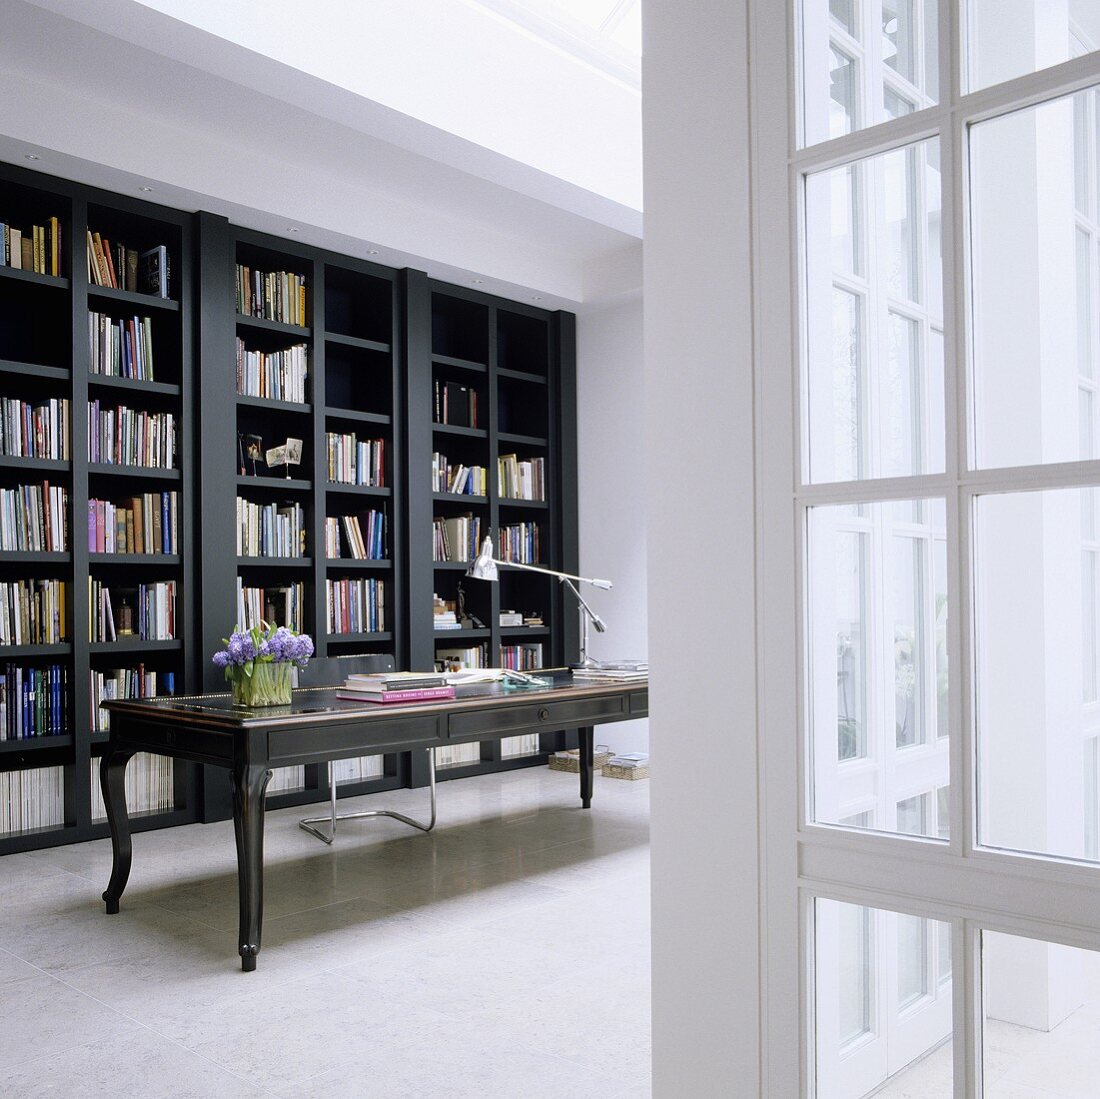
32	800
521	479
516	747
272	295
150	786
121	268
285	780
270	530
282	606
35	430
363	535
355	606
519	542
33	612
467	480
33	701
521	658
34	518
152	617
121	348
462	659
358	770
118	683
457	538
124	436
143	524
353	461
276	375
35	249
456	404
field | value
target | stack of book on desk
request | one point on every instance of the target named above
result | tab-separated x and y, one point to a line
396	687
614	671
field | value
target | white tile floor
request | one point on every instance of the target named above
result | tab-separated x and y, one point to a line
504	955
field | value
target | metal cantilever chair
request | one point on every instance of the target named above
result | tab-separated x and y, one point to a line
331	671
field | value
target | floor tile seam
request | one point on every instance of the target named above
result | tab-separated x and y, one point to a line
39	971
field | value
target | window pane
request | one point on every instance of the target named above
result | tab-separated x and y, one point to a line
1090	591
1041	1001
1025	287
1085	319
1034	667
1081	152
896	105
841	71
875	631
1092	798
1037	34
874	343
883	1003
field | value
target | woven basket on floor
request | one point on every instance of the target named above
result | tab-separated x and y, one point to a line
631	774
573	766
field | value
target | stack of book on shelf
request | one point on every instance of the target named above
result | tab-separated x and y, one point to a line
522	658
33	702
32	612
120	268
35	249
464	480
34	431
147	612
149	786
281	606
456	405
122	348
272	295
396	687
615	671
143	524
628	765
126	437
519	543
444	615
365	535
353	461
521	480
276	375
125	683
457	660
457	538
268	530
30	800
355	606
34	518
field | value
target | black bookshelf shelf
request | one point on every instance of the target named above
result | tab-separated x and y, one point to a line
133	473
129	297
133	385
36	744
269	404
462	635
356	341
459	364
353	416
334	488
524	631
452	566
522	440
512	502
18	652
135	645
468	432
338	564
358	638
264	325
34	557
458	498
34	465
165	560
521	376
275	563
17	274
276	484
33	370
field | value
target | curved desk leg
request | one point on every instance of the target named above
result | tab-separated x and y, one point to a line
587	736
249	784
112	780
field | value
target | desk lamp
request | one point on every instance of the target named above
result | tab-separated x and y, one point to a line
484	567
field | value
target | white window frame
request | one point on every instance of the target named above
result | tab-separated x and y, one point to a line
958	882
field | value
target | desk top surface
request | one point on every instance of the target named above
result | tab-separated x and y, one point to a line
321	704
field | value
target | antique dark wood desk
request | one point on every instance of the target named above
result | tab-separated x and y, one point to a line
315	728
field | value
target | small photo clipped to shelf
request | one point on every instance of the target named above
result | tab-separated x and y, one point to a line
257	663
30	247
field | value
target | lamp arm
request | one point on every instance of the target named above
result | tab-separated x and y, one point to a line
597	621
604	584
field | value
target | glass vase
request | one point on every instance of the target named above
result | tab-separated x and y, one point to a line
268	685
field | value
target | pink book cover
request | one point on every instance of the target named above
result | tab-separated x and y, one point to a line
423	694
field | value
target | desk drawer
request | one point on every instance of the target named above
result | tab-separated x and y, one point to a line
532	716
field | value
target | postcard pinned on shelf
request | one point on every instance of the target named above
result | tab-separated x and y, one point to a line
289	454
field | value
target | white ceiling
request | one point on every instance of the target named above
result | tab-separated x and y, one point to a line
210	124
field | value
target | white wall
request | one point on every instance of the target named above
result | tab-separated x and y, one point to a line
611	449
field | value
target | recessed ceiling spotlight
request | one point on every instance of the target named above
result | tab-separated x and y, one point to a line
478	282
536	298
372	252
293	229
147	190
32	156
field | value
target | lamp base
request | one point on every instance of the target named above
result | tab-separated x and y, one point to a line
586	665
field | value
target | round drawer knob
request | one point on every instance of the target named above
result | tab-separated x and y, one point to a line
544	714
